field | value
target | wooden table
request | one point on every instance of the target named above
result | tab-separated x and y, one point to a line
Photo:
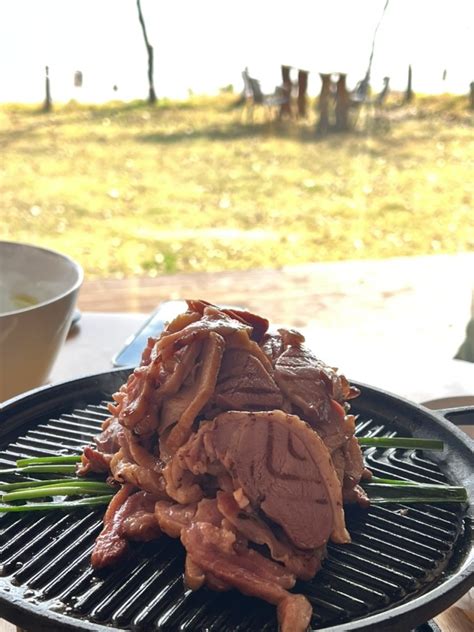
92	344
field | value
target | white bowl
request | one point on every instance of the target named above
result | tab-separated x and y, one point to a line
38	293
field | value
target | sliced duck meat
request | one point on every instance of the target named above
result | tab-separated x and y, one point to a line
107	444
299	375
93	461
259	325
173	517
354	471
294	613
200	392
212	320
302	563
135	465
139	521
285	469
212	550
354	463
129	516
291	337
239	442
244	383
136	407
272	346
282	466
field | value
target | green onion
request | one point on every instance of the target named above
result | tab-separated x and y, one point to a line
45	460
41	469
68	504
388	481
400	442
8	487
417	493
57	490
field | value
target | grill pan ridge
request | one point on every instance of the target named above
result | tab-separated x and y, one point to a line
405	563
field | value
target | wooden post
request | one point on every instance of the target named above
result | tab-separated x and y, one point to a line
323	104
302	89
342	104
471	94
409	90
285	108
47	100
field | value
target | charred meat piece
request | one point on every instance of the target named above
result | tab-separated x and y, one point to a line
129	516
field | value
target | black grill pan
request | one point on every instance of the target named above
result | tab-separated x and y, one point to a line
404	565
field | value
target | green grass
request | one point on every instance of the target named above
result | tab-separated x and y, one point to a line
131	190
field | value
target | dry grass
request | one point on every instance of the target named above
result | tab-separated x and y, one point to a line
132	190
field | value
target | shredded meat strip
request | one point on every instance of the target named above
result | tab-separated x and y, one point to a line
129	516
202	390
211	549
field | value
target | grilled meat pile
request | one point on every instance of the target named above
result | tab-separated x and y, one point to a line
238	442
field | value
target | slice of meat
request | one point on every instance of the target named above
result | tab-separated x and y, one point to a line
294	613
291	337
139	522
316	392
98	459
354	462
285	469
200	392
298	373
137	409
129	516
111	546
175	371
211	549
272	346
212	320
282	466
107	441
245	384
173	517
304	564
194	576
93	461
135	465
259	325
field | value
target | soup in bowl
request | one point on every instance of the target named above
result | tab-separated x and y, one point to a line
38	293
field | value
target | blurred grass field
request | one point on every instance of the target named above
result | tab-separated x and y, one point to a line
129	189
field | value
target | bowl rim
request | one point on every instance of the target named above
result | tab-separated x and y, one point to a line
77	267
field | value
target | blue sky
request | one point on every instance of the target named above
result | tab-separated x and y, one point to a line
204	44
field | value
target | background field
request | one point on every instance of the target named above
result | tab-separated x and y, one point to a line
131	190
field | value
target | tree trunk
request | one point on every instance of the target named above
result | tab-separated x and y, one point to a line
302	89
342	105
285	108
409	90
149	50
47	100
323	104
